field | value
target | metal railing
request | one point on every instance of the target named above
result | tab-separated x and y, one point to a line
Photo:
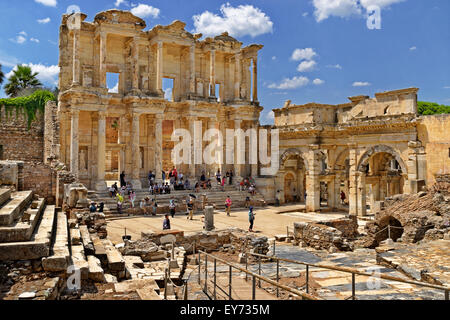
254	276
353	272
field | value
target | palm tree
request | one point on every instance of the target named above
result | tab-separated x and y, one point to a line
2	75
22	78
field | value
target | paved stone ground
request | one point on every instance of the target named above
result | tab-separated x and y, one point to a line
428	261
337	285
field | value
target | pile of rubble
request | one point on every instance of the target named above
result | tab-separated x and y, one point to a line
418	217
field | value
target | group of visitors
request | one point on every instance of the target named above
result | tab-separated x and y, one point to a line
94	207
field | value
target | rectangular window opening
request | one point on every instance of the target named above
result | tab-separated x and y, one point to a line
112	82
168	85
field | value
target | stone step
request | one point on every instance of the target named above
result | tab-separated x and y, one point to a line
23	228
86	240
116	263
78	260
60	258
96	272
5	195
11	210
99	250
39	245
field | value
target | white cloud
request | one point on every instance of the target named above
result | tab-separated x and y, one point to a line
270	115
23	33
237	21
48	3
44	21
19	39
334	66
306	66
144	11
318	81
274	58
114	89
47	74
119	2
413	48
34	40
305	14
346	8
295	82
447	87
303	54
360	84
338	8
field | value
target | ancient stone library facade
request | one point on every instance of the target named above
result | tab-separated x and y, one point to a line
369	148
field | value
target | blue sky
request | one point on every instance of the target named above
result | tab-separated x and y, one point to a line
314	50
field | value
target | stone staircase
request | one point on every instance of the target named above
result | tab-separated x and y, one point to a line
215	196
26	226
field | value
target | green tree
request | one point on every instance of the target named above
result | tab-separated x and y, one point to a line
22	78
2	75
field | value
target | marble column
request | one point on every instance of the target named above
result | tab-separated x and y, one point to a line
103	60
74	150
135	152
158	146
212	73
192	88
221	146
331	194
361	200
312	180
76	58
212	168
159	68
254	167
192	166
353	185
101	152
255	79
135	64
238	146
237	82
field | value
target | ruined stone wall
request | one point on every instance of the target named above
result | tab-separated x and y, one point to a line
433	133
17	141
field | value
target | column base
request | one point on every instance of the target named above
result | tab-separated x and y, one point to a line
136	183
101	185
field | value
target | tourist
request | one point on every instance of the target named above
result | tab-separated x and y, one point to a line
151	189
150	177
166	223
187	184
119	203
122	179
92	207
190	209
180	176
155	207
208	184
172	207
251	218
223	184
148	204
219	177
231	178
343	197
142	206
100	207
247	202
129	188
174	173
132	198
115	187
112	191
197	187
163	176
228	203
251	190
241	185
278	198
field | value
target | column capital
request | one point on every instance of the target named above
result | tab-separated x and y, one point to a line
101	114
75	112
159	116
159	44
191	118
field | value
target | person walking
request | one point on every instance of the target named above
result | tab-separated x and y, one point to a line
119	203
172	208
228	204
166	223
190	208
155	207
251	218
132	197
343	197
219	177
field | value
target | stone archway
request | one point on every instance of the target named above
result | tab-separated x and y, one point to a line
292	182
293	152
380	149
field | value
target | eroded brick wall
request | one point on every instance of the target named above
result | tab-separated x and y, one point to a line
20	142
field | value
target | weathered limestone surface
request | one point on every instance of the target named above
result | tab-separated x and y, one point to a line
96	272
10	211
59	261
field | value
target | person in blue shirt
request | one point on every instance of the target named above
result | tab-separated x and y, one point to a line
166	223
251	218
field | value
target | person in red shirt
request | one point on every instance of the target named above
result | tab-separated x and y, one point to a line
228	203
